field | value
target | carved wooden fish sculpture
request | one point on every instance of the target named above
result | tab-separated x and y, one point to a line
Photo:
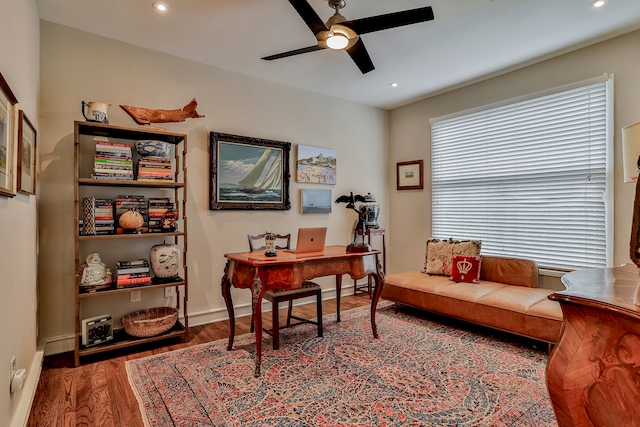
145	116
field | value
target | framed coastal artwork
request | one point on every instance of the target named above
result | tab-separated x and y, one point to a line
248	173
26	155
315	165
8	115
315	201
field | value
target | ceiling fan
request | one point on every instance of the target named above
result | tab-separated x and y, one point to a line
340	34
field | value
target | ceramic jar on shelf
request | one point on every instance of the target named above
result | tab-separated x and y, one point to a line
165	261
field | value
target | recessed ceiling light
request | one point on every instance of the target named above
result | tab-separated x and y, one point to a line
161	7
598	3
394	84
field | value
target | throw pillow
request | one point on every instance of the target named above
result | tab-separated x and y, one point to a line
438	257
466	268
466	247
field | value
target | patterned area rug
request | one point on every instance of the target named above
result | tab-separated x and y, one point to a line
420	373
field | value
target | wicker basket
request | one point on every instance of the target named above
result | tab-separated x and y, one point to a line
150	322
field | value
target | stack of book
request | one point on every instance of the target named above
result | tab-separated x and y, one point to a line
97	216
132	273
154	168
158	207
124	203
113	161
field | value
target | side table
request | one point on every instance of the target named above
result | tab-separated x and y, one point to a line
368	287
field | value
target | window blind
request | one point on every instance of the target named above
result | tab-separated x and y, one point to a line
528	178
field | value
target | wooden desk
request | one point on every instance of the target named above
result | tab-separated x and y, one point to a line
593	373
253	270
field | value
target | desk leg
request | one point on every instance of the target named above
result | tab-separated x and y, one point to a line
378	277
226	294
338	293
256	302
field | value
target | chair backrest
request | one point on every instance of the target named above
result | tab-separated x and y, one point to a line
285	242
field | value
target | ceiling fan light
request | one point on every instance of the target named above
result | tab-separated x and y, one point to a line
337	41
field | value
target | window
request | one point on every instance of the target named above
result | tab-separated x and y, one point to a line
529	177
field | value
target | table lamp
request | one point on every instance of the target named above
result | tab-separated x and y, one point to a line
631	164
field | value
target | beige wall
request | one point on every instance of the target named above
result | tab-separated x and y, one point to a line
79	66
19	64
410	137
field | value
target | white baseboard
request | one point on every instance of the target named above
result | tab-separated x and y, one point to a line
21	416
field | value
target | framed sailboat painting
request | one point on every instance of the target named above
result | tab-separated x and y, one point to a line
248	173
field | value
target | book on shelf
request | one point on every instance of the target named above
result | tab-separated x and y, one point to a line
113	147
132	262
155	168
113	161
138	281
111	177
158	209
134	275
97	216
132	270
125	202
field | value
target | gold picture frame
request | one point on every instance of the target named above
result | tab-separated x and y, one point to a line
8	114
410	174
27	146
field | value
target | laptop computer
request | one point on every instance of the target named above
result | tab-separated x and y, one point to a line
310	240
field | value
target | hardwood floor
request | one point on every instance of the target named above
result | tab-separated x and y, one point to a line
97	393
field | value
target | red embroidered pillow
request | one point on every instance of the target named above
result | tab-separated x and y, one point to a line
466	268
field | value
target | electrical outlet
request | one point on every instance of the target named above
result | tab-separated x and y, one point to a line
136	296
13	366
169	292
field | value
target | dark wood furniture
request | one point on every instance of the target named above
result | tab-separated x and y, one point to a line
371	232
113	246
275	296
253	240
255	271
593	373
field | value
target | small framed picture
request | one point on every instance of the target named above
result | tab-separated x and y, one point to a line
315	201
410	175
8	113
26	155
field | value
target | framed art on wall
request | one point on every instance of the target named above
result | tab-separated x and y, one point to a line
8	112
26	155
315	201
248	173
410	175
316	165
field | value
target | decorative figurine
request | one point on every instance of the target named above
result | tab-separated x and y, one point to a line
94	273
145	116
132	221
168	221
270	244
351	204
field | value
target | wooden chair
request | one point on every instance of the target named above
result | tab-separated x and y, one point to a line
260	239
275	296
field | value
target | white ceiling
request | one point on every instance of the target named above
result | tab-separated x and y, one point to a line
467	41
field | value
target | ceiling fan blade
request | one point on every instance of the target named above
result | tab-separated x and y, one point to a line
292	52
390	20
308	15
361	57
